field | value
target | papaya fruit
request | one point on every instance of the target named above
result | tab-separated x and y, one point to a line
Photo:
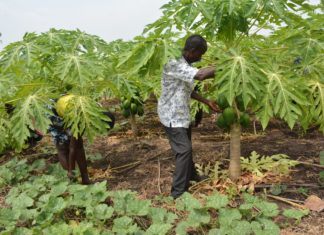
222	102
133	108
245	120
126	104
229	116
140	110
126	113
134	100
137	102
220	122
240	103
62	103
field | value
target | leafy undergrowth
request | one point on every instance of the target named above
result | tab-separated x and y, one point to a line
256	169
39	199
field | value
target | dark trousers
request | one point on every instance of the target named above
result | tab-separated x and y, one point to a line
180	142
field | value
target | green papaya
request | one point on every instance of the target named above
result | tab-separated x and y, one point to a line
133	108
245	120
137	102
126	113
137	94
222	102
240	103
126	104
140	110
229	116
220	122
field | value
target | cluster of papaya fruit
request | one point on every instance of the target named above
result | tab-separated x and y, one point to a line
229	116
132	106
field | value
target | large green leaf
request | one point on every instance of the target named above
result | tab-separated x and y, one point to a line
85	118
225	18
25	51
138	57
4	130
82	69
147	57
283	97
239	76
30	113
317	94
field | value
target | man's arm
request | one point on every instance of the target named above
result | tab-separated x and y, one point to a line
204	73
210	103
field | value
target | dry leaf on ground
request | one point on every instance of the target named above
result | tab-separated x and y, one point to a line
314	203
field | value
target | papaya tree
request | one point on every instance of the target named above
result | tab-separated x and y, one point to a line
304	45
39	69
132	90
141	64
132	104
254	60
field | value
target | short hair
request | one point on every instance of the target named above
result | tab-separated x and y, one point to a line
195	42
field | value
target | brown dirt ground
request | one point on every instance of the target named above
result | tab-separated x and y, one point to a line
146	163
149	162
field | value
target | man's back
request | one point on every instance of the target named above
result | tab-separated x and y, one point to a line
177	84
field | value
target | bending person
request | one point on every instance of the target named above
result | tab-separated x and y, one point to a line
174	108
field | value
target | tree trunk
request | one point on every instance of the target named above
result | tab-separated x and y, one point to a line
132	121
235	152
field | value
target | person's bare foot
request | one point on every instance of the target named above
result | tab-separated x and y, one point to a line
72	177
86	181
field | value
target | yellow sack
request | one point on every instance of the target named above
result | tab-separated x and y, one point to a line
62	103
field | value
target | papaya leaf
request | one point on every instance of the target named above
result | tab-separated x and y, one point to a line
84	117
280	98
31	113
82	69
239	75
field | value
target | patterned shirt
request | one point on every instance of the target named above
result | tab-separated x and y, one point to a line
59	134
177	85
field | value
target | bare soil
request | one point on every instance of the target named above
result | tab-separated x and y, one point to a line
146	163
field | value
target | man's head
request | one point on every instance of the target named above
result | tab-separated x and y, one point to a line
194	48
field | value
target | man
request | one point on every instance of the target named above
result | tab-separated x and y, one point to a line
174	108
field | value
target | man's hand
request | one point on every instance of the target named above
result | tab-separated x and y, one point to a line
213	106
205	73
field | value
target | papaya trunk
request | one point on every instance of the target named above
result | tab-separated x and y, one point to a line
235	152
132	121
